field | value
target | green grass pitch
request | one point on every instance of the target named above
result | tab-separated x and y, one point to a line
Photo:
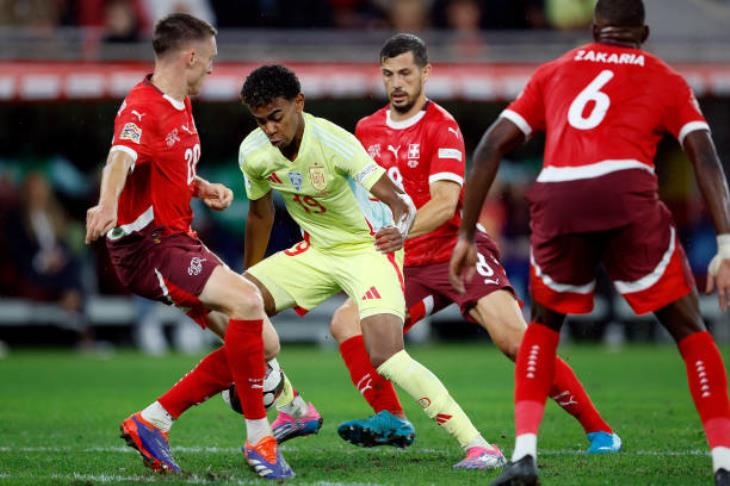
59	416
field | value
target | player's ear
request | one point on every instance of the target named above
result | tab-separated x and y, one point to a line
299	102
189	56
427	71
645	34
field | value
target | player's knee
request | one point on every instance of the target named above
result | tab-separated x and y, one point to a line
271	349
382	354
343	326
246	304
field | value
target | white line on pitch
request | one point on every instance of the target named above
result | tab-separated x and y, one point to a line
227	450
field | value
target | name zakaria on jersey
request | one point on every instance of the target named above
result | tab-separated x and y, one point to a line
417	152
159	133
604	109
325	189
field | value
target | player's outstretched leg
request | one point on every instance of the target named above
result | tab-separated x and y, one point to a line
499	314
384	341
296	417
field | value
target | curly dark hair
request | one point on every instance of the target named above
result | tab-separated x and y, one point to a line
269	82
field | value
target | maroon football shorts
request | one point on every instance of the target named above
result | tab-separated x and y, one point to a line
428	289
644	260
168	268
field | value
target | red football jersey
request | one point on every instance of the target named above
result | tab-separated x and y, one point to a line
426	148
604	109
159	133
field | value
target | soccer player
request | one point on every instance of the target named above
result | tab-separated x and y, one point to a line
325	178
421	146
144	212
604	107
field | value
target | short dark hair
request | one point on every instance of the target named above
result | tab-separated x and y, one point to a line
269	82
175	29
622	13
402	43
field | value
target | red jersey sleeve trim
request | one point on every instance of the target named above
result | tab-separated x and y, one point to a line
518	120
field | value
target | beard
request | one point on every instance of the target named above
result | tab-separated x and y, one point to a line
408	105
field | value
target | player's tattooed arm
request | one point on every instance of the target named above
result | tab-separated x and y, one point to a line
712	183
391	238
214	195
103	217
258	229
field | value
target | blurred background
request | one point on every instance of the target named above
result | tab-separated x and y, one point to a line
65	66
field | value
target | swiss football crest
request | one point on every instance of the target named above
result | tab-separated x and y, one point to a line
414	150
296	180
318	178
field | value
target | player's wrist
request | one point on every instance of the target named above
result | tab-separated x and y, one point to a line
723	253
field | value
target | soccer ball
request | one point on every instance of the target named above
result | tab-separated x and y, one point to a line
273	386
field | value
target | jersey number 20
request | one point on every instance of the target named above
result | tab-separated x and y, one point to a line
192	155
593	93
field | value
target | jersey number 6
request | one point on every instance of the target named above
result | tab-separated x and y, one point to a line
592	92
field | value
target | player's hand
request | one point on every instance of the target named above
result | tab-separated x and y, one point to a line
99	220
463	264
388	239
718	276
216	196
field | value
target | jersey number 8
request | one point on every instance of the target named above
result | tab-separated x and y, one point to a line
592	92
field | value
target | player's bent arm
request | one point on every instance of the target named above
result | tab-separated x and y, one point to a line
437	211
710	177
258	229
502	137
103	217
404	211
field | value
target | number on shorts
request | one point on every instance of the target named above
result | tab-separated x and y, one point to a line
592	92
486	270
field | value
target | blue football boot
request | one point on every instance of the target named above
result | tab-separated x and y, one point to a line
150	442
603	443
383	428
266	460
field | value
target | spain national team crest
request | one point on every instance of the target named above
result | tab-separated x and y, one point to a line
318	177
296	180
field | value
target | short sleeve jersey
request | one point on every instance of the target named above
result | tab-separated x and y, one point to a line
325	189
604	109
159	133
416	152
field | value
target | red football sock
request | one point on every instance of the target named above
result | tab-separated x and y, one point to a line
378	391
534	373
568	392
209	377
244	345
708	384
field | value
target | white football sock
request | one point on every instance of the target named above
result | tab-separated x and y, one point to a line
720	458
298	408
525	445
257	430
156	414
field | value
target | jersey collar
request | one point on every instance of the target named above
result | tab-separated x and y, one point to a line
177	104
408	122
